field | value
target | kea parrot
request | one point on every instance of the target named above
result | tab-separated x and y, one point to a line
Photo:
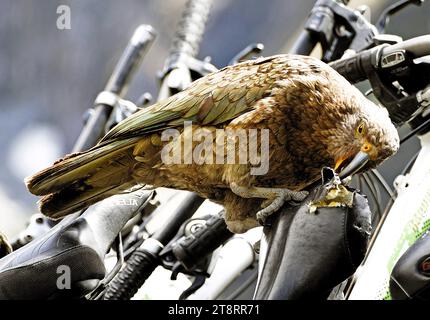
313	116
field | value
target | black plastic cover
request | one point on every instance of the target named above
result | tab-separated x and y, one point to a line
410	278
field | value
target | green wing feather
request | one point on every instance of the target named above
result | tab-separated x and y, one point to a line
214	99
211	100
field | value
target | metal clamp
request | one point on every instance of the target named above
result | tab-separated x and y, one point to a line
152	246
107	98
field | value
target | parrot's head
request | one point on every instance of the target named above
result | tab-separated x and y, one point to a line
368	138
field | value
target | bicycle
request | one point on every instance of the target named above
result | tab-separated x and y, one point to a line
185	244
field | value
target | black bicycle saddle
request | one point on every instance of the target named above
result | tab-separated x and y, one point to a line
304	255
74	248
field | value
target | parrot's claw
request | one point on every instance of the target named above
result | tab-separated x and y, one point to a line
276	197
283	195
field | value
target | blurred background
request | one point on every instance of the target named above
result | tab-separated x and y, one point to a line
49	77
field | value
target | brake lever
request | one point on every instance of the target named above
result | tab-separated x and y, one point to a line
338	28
423	98
385	16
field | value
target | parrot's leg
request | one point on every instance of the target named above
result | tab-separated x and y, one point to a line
278	197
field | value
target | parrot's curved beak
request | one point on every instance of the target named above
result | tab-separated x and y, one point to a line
355	165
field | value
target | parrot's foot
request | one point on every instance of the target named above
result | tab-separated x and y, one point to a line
276	197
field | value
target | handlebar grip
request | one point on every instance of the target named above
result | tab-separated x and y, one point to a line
195	247
139	267
351	68
132	56
357	67
142	39
191	27
418	46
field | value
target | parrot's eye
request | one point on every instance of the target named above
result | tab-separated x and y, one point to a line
360	129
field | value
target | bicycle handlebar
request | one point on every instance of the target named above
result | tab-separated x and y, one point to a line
139	44
191	28
356	68
418	46
117	85
176	74
352	68
385	64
